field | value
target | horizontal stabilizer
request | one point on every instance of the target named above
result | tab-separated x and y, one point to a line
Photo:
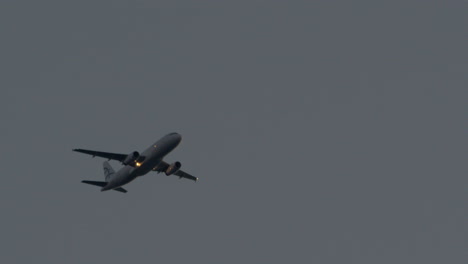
102	184
120	189
97	183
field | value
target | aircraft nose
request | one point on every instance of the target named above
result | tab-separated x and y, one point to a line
174	137
177	136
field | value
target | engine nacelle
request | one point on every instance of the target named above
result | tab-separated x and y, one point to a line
131	158
173	168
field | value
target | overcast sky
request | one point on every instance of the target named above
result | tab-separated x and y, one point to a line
321	131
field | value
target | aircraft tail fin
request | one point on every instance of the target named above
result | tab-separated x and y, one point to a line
108	170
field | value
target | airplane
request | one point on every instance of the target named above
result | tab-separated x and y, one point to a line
136	164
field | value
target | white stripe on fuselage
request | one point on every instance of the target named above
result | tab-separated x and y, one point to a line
153	156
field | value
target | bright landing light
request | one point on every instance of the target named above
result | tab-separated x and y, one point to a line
138	164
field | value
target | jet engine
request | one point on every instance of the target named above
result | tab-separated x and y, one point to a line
173	168
131	158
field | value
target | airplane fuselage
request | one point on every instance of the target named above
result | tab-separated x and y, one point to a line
153	157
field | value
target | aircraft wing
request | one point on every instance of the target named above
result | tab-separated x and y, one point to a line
185	175
163	166
106	155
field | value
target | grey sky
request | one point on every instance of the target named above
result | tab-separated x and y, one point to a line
322	131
